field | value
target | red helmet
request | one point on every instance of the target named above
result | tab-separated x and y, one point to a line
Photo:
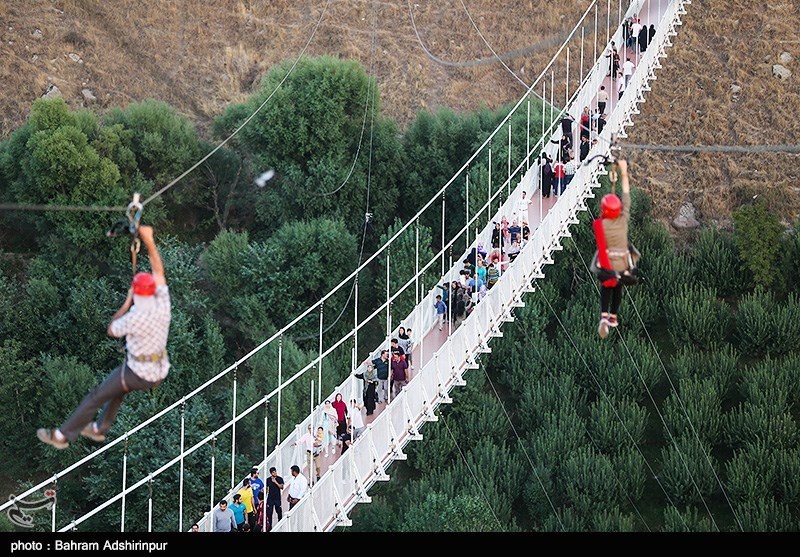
610	206
144	284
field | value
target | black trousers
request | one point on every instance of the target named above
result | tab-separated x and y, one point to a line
369	398
601	106
610	299
274	504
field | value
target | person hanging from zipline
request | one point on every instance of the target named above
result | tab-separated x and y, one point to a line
615	260
144	321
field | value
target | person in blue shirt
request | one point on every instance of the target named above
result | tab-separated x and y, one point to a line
239	511
256	483
441	309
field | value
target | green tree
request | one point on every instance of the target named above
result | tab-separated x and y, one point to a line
758	234
310	132
440	513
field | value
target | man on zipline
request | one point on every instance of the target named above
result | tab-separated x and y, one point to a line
615	257
144	321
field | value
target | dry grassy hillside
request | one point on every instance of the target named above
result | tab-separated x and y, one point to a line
200	56
724	43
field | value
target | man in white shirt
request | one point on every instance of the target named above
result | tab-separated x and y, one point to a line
144	321
635	28
627	71
356	419
298	488
521	208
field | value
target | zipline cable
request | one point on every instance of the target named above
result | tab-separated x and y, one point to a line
658	411
249	118
605	395
564	395
674	388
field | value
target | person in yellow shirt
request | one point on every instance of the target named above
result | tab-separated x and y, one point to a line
246	493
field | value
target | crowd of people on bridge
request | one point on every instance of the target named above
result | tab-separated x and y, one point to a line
256	503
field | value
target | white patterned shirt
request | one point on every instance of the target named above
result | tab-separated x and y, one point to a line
145	333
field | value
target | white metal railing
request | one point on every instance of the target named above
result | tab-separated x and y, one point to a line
348	479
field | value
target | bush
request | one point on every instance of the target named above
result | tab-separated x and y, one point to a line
716	262
696	315
788	481
629	465
759	237
665	274
590	482
765	326
749	423
768	384
752	473
697	410
562	433
612	520
543	397
690	520
718	365
686	471
614	422
765	515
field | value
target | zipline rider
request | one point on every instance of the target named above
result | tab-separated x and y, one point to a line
144	321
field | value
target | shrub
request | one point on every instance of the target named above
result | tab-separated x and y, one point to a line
690	520
749	423
544	396
629	465
685	473
696	410
758	234
664	274
716	262
696	315
613	422
768	384
561	434
612	520
765	515
752	473
765	326
788	481
590	481
718	365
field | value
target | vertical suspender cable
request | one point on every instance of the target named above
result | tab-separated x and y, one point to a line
527	138
466	205
508	183
595	34
566	87
319	362
582	33
124	484
180	480
150	504
233	432
311	472
443	217
416	263
280	380
266	443
213	471
608	22
552	97
490	179
55	501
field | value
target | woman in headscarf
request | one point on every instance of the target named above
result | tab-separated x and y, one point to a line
329	423
643	38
